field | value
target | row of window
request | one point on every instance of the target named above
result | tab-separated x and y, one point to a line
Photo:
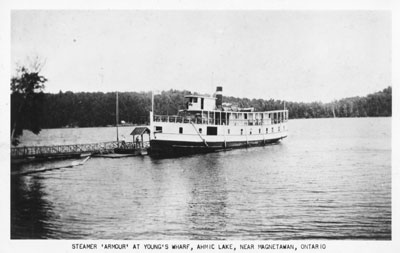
241	130
214	130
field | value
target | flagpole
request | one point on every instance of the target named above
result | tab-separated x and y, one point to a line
152	101
116	116
151	113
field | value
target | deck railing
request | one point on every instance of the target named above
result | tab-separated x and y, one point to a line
59	150
196	120
133	145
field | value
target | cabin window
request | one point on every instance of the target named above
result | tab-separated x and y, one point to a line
212	130
202	103
194	100
272	129
181	130
200	130
241	131
229	131
259	130
251	131
279	128
245	116
266	130
159	129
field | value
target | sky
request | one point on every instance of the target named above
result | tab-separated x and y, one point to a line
298	56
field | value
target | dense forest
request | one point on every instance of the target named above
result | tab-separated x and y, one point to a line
83	109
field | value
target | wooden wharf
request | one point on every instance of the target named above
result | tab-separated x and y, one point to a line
74	150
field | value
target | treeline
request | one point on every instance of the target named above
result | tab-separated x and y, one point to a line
92	109
83	109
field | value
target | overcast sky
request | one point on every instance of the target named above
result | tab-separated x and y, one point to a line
291	55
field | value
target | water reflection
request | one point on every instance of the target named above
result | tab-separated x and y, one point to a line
31	214
207	215
314	185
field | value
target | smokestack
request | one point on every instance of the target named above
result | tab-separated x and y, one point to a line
218	103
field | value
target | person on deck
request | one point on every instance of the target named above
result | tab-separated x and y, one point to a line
137	142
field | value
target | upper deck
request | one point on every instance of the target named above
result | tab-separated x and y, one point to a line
218	117
211	111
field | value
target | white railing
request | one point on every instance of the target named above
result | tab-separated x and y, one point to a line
195	120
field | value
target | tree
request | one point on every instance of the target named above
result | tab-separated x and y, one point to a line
26	100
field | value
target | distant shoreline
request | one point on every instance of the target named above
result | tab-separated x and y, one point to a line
135	125
97	109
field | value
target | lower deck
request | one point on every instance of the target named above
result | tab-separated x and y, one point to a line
190	132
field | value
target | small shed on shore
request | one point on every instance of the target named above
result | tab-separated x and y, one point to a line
139	131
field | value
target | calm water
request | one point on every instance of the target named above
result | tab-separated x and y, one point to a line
330	179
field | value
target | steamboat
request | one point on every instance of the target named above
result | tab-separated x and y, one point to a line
207	124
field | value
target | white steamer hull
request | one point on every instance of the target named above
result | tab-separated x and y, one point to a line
228	137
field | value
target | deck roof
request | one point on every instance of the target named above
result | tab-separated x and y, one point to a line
200	96
140	130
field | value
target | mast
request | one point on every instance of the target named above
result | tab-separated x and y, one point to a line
152	101
153	93
151	113
116	115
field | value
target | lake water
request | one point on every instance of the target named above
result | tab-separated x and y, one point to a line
330	179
